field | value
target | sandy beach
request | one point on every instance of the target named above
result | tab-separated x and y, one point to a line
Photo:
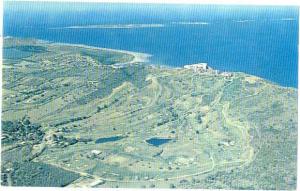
138	57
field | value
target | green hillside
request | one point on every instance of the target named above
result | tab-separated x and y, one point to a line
73	114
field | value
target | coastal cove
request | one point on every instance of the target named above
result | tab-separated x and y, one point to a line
261	41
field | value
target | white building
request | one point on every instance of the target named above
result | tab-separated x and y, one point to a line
200	67
96	152
226	74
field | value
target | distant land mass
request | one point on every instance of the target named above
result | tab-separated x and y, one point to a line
80	116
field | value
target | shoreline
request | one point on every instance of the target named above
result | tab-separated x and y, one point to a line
138	56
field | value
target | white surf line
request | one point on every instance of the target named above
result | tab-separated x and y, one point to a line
243	21
112	26
190	23
287	19
138	56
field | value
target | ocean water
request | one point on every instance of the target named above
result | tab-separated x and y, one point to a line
261	41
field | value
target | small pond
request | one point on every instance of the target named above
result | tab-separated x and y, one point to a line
158	141
109	139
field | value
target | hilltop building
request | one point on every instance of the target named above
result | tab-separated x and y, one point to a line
226	74
200	67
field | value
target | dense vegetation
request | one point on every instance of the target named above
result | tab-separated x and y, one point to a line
21	130
42	175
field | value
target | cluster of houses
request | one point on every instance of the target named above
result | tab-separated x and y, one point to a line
200	67
203	67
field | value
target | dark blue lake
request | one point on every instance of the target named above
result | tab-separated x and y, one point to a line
157	141
262	41
109	139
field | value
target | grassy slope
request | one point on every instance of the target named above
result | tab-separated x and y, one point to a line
228	133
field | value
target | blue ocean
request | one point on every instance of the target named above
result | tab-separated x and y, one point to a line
261	41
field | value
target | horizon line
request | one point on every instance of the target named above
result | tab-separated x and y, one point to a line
198	2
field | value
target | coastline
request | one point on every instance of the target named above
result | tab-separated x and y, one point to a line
143	58
138	56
